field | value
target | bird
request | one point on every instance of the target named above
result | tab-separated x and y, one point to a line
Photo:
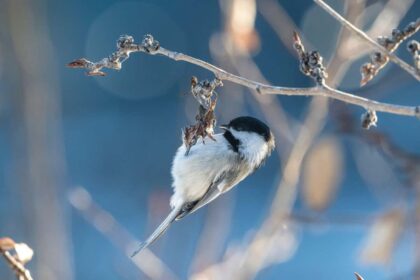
212	168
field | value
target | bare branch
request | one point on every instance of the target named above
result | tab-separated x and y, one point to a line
126	45
369	40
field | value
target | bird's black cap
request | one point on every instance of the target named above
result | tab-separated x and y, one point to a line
250	124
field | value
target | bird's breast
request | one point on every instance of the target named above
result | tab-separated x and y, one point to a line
193	173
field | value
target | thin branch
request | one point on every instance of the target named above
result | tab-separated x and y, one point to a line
18	268
126	46
377	59
368	40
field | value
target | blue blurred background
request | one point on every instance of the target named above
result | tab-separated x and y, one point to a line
85	161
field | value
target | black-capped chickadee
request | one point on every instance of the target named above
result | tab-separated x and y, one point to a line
213	168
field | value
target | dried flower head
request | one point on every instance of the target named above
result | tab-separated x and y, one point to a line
204	93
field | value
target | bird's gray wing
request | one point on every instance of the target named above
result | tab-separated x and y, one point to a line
216	188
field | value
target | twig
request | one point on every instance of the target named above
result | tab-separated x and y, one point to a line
368	40
149	45
378	60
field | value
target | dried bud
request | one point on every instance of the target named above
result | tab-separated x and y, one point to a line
368	71
79	63
194	82
6	244
385	42
397	35
413	46
150	44
203	90
369	118
412	27
379	58
125	41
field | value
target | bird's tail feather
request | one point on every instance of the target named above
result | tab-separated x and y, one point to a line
160	229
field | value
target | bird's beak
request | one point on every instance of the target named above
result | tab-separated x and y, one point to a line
224	126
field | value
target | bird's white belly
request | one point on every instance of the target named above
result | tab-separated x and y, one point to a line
194	173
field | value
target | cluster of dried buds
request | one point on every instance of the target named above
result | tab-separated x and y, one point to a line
204	93
378	60
125	46
310	62
16	255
